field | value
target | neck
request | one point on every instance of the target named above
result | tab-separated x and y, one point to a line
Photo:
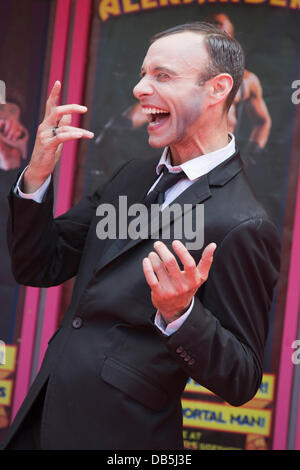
203	142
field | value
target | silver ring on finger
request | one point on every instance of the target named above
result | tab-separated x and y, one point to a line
54	131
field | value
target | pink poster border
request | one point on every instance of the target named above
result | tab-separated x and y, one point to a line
32	296
64	198
68	161
286	369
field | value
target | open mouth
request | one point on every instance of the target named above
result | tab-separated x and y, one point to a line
156	117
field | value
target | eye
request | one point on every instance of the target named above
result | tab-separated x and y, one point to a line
162	76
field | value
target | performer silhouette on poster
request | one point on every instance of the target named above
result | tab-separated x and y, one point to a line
249	98
129	126
13	137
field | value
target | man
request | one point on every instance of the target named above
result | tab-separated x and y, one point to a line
144	317
249	98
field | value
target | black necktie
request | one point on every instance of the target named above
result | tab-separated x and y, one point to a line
157	195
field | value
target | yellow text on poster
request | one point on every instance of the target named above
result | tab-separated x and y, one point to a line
5	392
265	391
8	357
108	8
208	415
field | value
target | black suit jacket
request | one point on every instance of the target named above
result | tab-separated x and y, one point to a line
114	380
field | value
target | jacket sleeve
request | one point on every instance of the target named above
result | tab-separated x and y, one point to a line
46	251
221	344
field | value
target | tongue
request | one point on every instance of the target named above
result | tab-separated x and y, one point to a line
159	117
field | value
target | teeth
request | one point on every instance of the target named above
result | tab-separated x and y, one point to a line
153	111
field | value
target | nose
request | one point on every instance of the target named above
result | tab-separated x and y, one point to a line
142	88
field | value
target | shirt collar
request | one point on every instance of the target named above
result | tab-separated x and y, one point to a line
198	166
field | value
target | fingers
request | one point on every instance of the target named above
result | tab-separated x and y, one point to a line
53	97
49	140
150	274
159	269
167	271
66	120
155	269
206	260
187	260
54	113
168	260
65	133
163	271
60	118
57	113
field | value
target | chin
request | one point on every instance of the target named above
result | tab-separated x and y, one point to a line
157	143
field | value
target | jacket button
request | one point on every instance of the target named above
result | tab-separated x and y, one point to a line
179	349
183	354
191	362
77	323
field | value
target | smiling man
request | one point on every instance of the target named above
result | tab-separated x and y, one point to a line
186	92
144	316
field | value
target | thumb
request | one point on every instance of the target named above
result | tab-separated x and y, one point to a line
206	260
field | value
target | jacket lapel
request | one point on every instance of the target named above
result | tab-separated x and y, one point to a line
136	190
197	193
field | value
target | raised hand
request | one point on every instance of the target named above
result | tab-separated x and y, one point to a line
172	289
54	130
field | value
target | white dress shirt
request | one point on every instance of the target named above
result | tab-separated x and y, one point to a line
193	169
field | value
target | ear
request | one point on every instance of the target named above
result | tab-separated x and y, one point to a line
220	87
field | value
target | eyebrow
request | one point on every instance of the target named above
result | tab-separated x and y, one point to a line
161	69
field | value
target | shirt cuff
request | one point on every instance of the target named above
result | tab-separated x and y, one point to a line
38	195
174	325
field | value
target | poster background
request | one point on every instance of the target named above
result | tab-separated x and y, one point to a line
270	38
23	42
271	53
